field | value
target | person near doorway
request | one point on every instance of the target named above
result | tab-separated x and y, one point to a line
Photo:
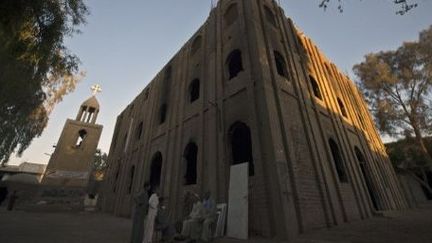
140	211
162	221
151	216
209	216
192	225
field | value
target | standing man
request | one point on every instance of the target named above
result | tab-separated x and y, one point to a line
151	216
140	212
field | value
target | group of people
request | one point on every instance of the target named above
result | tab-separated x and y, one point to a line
151	214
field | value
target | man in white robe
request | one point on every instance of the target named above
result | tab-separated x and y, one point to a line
193	223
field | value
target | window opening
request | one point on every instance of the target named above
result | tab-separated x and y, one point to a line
241	145
234	63
342	107
280	64
338	161
194	90
155	170
315	87
190	156
81	136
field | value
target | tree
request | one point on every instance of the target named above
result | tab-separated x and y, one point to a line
397	85
36	69
100	165
404	5
406	157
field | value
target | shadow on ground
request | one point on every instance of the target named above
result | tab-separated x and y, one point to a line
413	226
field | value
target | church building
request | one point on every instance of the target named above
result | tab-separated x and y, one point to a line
249	86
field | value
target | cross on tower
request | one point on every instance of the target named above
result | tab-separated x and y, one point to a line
96	88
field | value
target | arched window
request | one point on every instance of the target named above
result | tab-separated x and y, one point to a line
194	90
280	64
241	145
82	134
269	16
315	87
338	161
162	113
342	107
139	130
131	178
362	162
156	169
234	63
190	156
196	45
230	15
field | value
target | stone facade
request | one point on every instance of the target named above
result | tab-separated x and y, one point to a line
249	86
72	160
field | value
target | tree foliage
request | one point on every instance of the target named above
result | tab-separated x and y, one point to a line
404	5
406	156
36	69
100	165
397	86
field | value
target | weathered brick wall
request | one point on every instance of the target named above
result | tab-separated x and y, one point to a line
295	187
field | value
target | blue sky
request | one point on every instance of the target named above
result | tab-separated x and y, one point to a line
125	43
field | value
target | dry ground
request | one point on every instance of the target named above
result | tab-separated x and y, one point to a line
413	226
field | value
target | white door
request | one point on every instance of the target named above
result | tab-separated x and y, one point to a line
238	202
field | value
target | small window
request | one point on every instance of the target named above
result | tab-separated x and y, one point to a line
342	107
230	15
162	113
280	64
190	156
338	161
270	16
234	63
82	134
194	90
196	45
132	174
139	130
315	87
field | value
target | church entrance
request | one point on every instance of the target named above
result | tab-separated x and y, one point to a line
240	141
362	162
241	145
155	170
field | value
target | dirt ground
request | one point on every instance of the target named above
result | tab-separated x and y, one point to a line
413	226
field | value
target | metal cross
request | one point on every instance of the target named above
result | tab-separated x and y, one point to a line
96	88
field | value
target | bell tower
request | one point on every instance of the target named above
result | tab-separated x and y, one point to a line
71	162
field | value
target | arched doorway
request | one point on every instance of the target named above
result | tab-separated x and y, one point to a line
362	162
155	169
241	145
